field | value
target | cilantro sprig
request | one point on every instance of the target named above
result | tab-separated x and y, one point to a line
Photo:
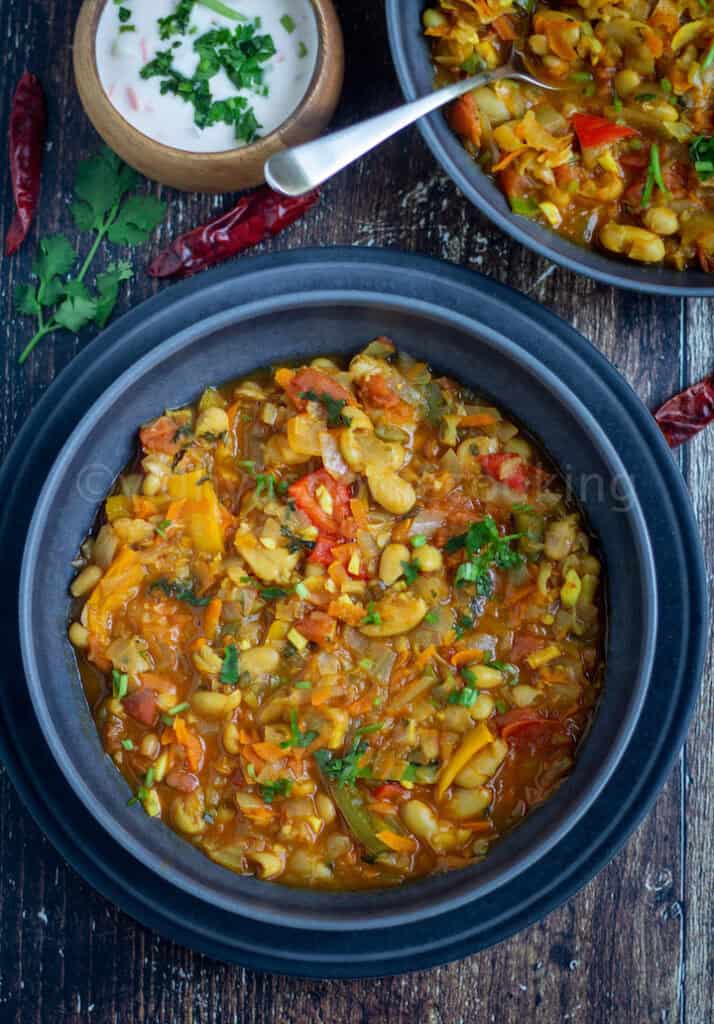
180	591
347	769
59	298
333	407
298	738
270	790
485	548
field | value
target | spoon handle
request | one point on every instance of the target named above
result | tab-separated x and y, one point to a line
297	170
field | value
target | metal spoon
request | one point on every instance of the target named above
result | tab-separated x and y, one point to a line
295	171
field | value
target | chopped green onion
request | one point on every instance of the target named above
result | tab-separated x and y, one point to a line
178	708
466	697
230	671
709	59
120	684
303	684
127	744
367	664
581	76
419	541
523	207
149	778
301	590
287	22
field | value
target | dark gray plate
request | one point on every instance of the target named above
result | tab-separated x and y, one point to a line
410	51
567	395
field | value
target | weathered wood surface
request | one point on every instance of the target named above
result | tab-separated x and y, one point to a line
637	945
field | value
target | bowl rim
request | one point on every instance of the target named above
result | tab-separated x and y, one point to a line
468	177
323	11
333	920
580	856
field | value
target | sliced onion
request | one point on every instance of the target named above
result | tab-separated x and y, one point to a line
331	457
328	664
356	641
367	545
384	658
426	523
450	462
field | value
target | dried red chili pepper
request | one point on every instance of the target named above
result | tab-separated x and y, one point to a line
685	414
28	125
257	216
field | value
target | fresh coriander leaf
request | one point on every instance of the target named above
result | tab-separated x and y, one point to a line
432	618
180	591
108	289
465	697
463	623
333	407
270	790
26	301
411	572
409	774
265	482
100	182
288	23
347	769
230	671
137	218
296	543
76	312
297	738
372	618
302	49
55	258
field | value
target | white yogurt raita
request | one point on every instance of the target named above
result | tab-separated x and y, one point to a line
169	119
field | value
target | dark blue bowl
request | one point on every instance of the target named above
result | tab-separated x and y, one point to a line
410	52
599	434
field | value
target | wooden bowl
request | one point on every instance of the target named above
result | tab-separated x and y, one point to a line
209	172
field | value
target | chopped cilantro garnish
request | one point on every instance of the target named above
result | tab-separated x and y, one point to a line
333	407
163	526
230	671
701	153
120	684
372	618
180	591
297	738
411	571
265	482
506	667
409	774
465	697
269	790
463	623
485	548
469	676
431	618
296	543
302	50
347	769
288	23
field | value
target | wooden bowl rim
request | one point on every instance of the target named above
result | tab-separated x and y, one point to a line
327	25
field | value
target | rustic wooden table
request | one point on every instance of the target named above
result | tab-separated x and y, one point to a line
636	946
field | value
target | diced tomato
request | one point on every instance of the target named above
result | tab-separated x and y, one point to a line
509	469
320	383
322	552
306	493
564	174
522	725
141	706
389	791
342	553
593	130
318	627
376	392
464	120
160	436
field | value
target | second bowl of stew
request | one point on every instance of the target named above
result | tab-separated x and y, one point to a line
611	173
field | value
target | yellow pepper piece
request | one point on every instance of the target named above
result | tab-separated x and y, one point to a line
472	742
570	591
542	657
687	33
117	506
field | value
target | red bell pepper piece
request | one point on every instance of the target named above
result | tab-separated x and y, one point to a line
321	554
319	627
389	791
516	476
304	494
593	130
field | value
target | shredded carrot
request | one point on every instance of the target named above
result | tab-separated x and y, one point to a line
247	737
143	508
168	736
212	616
269	751
401	844
477	826
505	29
198	643
175	509
509	158
478	419
283	376
192	743
424	658
320	694
466	656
